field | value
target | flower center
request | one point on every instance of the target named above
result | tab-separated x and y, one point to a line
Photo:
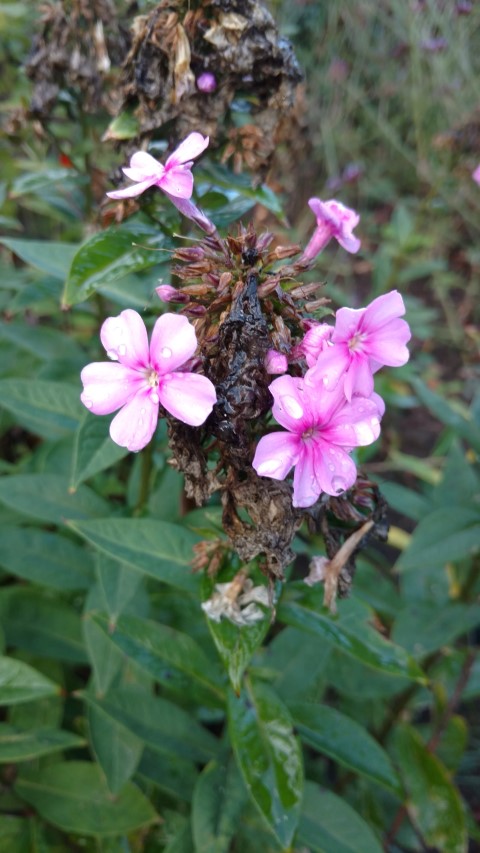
355	342
152	379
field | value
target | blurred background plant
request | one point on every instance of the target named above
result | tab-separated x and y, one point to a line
119	731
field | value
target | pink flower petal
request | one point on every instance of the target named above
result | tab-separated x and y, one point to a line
275	455
108	386
335	471
358	378
188	397
388	344
125	339
349	242
177	182
306	489
135	423
145	166
476	175
354	425
275	362
331	365
189	149
316	341
382	310
289	407
173	342
131	192
347	324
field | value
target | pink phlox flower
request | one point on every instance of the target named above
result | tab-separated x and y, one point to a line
315	341
174	178
476	175
333	220
141	377
364	340
275	362
321	430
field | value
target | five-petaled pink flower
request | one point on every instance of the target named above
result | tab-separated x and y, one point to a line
142	377
322	428
333	220
174	178
363	340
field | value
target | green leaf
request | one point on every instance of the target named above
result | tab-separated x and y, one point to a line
422	627
118	584
24	744
160	650
43	342
177	777
434	804
47	256
445	534
93	449
329	825
157	722
463	426
218	800
236	645
19	682
336	735
300	664
46	497
15	835
157	548
269	757
123	126
117	750
106	659
110	255
351	634
46	559
40	624
49	409
74	796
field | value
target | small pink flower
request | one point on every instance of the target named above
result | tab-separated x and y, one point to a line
276	362
333	220
206	82
175	178
476	175
167	293
142	377
321	429
364	339
316	340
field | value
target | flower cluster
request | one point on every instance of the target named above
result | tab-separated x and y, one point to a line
327	407
333	408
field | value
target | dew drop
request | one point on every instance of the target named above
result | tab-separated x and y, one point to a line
338	484
291	406
325	380
374	422
331	467
166	352
154	398
122	350
88	404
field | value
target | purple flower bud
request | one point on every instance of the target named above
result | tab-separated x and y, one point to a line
167	293
206	82
275	362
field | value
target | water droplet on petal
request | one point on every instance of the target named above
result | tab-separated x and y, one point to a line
122	350
291	406
374	422
154	398
338	484
331	467
166	352
142	411
112	354
325	380
268	468
88	404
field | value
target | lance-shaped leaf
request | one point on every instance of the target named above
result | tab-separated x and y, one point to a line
46	497
47	408
336	735
157	548
74	796
329	825
351	633
93	449
269	757
19	682
161	650
218	799
24	744
434	804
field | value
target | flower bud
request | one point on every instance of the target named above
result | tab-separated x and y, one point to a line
206	82
167	293
275	362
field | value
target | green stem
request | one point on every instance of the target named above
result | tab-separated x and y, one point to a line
145	478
